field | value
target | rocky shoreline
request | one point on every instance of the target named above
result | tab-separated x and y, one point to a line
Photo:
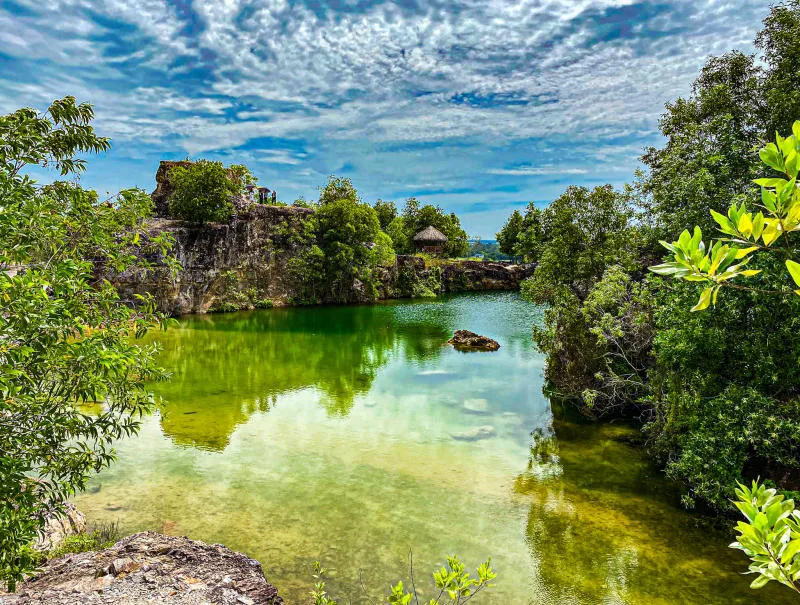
148	567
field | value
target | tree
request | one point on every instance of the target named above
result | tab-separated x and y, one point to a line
706	160
387	212
348	235
71	377
336	189
203	191
777	41
508	236
771	230
416	217
579	235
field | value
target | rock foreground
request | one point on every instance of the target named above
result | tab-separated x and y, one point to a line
149	568
464	340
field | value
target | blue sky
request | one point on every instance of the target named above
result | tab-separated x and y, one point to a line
479	106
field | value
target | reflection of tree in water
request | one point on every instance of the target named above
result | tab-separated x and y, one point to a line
586	549
225	367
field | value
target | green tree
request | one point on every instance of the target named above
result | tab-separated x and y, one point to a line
348	235
416	217
595	331
706	160
337	189
72	380
777	42
203	191
387	212
508	236
580	234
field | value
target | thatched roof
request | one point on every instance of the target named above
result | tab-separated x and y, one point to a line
430	234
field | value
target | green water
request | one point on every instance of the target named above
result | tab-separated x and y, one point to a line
343	434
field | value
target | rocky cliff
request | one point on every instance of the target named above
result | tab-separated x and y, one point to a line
250	262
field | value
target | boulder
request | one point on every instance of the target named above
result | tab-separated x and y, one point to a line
149	568
58	527
474	434
464	340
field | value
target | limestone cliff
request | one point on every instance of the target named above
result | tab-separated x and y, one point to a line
247	263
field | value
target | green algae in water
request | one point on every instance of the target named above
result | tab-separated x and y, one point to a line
351	434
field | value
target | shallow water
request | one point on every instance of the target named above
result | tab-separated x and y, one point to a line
351	434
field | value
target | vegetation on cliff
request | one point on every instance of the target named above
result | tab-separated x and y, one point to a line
203	191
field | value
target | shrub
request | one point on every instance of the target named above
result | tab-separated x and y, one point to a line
203	191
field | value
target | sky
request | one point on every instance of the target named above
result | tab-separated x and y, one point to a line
480	106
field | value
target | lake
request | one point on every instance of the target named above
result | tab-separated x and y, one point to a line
350	435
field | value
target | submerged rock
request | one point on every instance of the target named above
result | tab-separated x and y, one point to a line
476	406
479	432
149	568
464	340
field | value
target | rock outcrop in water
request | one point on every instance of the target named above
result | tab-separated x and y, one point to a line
149	568
464	340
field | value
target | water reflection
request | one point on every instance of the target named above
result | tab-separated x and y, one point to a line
226	367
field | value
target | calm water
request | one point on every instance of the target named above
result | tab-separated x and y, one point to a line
351	434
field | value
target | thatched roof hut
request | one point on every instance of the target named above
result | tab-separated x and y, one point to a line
430	236
430	240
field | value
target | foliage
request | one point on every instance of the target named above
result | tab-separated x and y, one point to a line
598	349
578	236
455	585
508	236
387	212
706	159
103	537
415	218
347	231
203	190
69	372
338	189
745	233
573	241
721	389
770	537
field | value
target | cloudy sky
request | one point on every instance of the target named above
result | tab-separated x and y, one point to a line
479	105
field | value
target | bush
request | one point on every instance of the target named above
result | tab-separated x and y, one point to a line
203	191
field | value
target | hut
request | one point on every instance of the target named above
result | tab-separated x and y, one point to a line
430	240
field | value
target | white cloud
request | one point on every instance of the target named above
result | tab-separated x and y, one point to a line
536	170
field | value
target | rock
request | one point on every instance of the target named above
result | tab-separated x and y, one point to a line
58	527
149	568
125	565
476	406
479	432
464	340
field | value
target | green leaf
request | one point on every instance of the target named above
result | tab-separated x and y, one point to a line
792	548
759	582
705	300
794	270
